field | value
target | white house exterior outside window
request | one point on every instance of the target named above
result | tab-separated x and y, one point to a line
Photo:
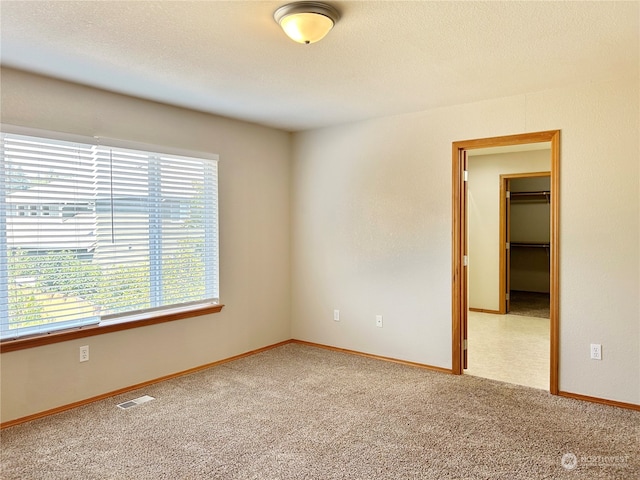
91	233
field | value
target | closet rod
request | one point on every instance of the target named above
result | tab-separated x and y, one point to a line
522	194
530	245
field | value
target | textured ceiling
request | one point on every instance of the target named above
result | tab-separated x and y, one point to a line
382	58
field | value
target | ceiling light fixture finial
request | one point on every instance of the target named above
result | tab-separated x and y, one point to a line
306	22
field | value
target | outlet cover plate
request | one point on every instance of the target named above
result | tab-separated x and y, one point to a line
84	353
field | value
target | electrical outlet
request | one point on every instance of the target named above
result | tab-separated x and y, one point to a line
84	353
336	315
379	321
596	351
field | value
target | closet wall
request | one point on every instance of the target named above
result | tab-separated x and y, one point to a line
530	234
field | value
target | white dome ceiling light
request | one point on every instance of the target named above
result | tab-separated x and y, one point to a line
306	22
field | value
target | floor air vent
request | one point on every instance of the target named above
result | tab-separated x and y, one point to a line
135	401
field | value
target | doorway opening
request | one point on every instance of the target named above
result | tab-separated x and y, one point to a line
525	235
508	228
462	202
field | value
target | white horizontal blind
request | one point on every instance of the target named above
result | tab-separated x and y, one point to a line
88	231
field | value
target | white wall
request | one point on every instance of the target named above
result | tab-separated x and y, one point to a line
371	230
483	218
254	191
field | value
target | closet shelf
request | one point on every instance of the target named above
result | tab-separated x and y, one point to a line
530	244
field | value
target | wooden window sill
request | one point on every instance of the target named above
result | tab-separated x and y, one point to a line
91	330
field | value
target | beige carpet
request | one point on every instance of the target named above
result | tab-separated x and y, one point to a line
299	412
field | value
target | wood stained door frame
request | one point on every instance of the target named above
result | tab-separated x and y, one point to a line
459	243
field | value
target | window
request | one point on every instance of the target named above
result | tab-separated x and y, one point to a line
96	234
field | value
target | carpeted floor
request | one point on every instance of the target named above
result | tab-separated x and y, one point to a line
299	412
529	304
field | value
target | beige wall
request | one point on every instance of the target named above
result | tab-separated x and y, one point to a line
254	191
370	220
371	230
483	217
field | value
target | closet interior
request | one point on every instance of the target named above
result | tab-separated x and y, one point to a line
529	239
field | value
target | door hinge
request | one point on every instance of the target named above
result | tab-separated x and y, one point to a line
508	245
466	175
506	296
508	194
465	261
464	344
